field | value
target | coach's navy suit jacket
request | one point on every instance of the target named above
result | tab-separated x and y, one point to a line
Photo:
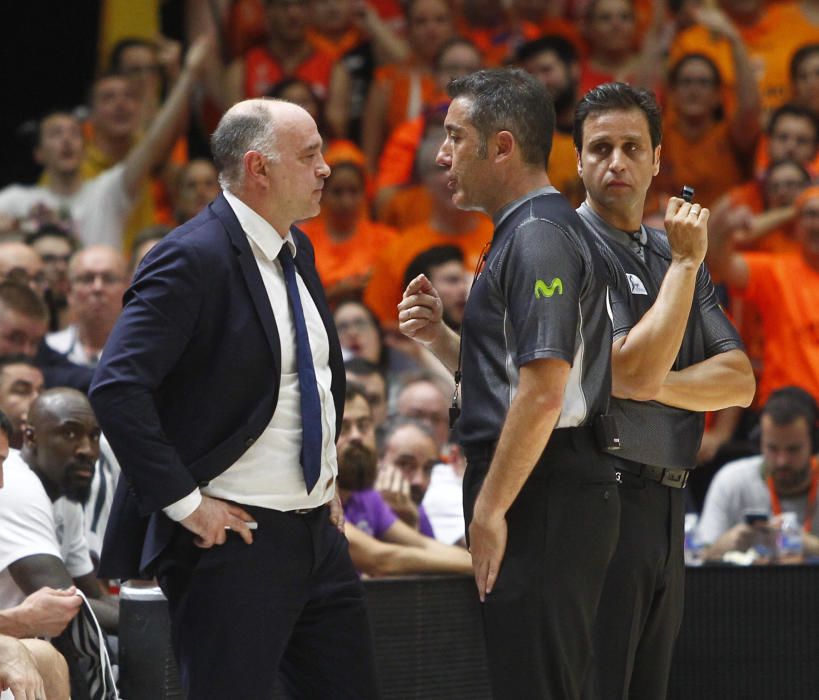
189	378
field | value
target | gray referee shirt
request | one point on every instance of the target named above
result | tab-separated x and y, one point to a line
651	432
541	294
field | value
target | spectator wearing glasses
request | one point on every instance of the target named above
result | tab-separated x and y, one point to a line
55	246
98	280
702	146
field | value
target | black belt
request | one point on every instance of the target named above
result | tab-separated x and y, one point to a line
674	478
581	436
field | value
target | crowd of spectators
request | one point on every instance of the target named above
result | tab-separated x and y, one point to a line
122	165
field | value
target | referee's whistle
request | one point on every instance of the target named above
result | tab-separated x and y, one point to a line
687	193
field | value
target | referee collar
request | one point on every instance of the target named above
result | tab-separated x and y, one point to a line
627	239
507	209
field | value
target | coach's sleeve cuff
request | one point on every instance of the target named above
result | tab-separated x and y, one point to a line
184	506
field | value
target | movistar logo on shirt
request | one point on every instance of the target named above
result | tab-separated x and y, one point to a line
547	290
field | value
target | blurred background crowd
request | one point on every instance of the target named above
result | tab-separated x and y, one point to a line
105	149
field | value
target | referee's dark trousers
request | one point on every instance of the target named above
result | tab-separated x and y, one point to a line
642	605
289	605
562	532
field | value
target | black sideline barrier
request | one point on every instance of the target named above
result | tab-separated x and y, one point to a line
747	634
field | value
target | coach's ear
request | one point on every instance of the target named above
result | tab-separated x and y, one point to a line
657	159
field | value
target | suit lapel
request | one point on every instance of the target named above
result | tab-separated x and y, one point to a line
250	271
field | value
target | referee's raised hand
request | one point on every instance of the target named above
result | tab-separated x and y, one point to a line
686	225
420	312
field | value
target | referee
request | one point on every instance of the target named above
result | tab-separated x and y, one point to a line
540	499
675	355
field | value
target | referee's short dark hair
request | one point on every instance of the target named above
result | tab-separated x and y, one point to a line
618	97
509	99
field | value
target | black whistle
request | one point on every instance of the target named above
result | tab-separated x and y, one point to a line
687	193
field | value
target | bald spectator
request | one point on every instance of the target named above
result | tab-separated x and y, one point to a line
380	544
21	381
98	277
23	325
408	456
21	264
198	186
97	208
42	541
422	397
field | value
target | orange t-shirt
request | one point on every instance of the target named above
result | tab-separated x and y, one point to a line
385	289
749	194
771	43
780	240
558	26
409	90
562	168
398	157
790	320
408	207
350	259
263	71
335	49
710	165
762	159
498	44
246	25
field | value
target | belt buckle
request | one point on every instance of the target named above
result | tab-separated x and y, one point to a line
303	511
676	478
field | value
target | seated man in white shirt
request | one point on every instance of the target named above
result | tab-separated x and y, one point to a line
28	664
781	479
422	397
98	277
42	541
97	208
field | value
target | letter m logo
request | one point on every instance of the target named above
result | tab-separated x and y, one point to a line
547	290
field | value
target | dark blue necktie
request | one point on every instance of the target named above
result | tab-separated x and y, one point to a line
308	389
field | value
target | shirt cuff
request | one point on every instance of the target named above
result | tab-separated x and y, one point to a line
184	506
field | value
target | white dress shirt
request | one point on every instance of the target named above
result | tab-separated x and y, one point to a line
269	474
